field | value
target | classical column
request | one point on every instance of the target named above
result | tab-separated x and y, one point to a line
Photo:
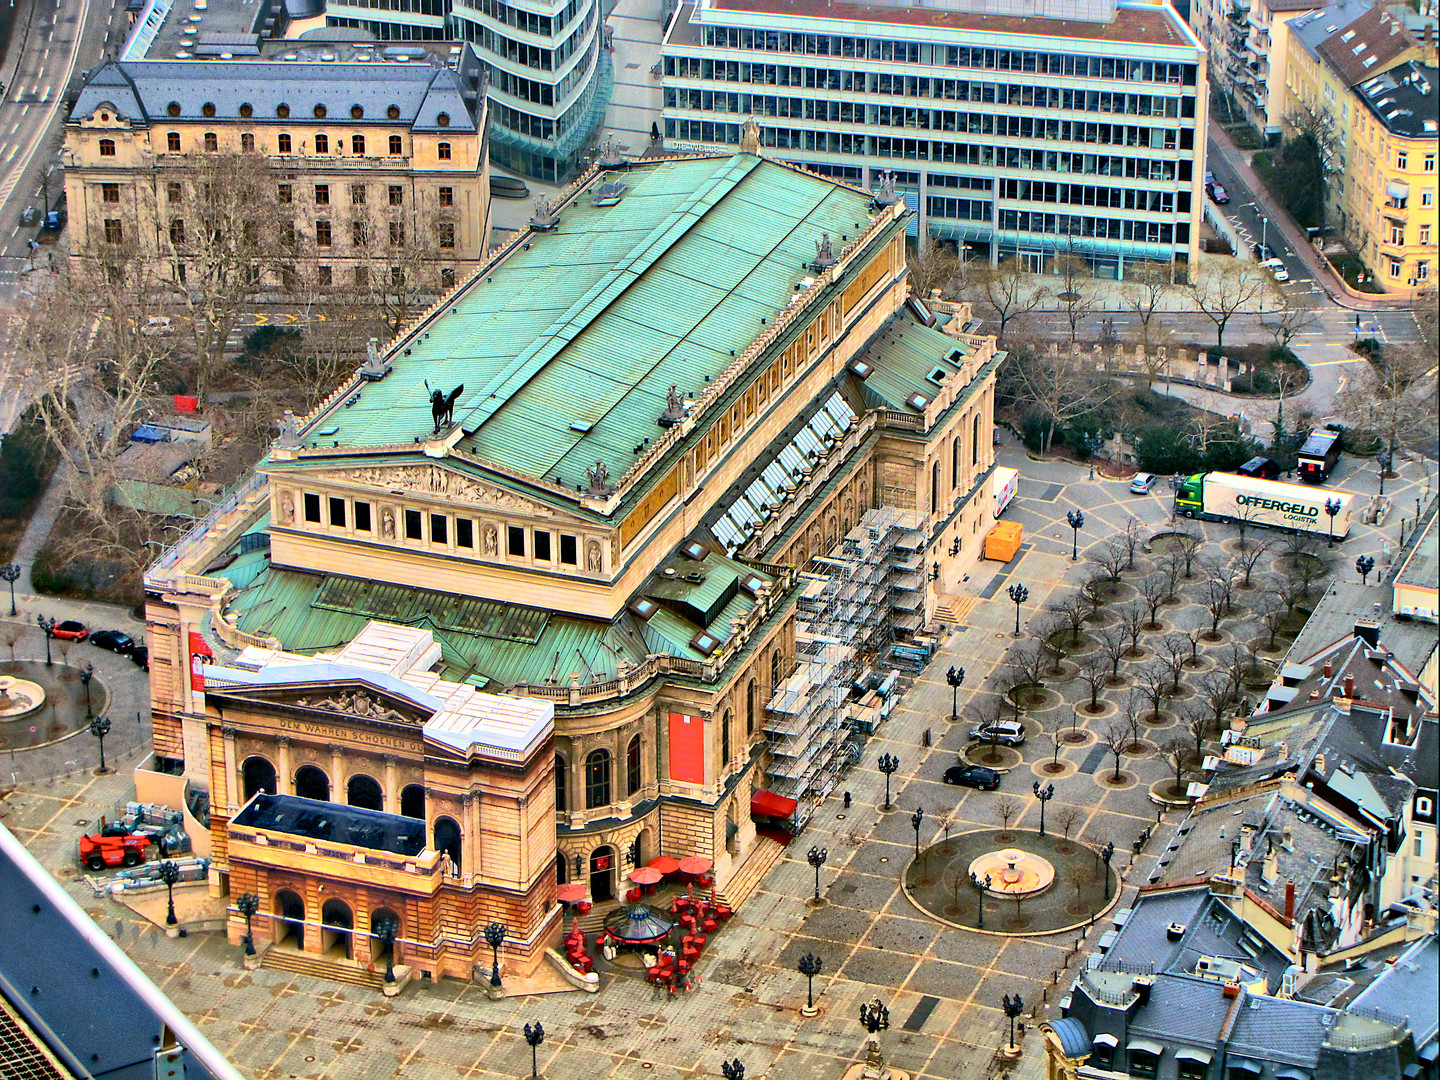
392	797
470	839
233	786
286	780
337	774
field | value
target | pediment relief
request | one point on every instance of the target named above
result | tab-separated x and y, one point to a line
441	483
362	703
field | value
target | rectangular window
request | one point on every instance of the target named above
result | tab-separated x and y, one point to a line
1402	160
1429	163
177	231
443	151
515	540
1424	234
283	143
337	512
542	545
212	142
464	532
396	195
397	234
172	142
1422	270
107	146
247	143
447	196
286	193
357	194
569	550
362	512
312	507
322	194
439	529
412	525
447	232
114	232
396	146
110	193
324	275
173	192
322	233
359	233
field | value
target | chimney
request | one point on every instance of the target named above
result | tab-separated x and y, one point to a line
1247	837
1288	843
1350	686
1289	901
1367	632
1328	669
1320	765
1271	866
1141	986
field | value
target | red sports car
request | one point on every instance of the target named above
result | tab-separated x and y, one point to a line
71	630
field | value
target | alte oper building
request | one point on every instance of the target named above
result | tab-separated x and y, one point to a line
580	505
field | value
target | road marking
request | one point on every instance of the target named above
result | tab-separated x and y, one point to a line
1328	363
11	155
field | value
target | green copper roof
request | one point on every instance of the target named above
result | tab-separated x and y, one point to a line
566	349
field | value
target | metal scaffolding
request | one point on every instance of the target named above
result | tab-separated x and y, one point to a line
851	602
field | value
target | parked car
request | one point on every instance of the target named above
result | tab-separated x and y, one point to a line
1262	252
54	221
114	640
1209	179
1219	194
140	657
29	215
1276	267
71	630
1262	468
976	776
1142	483
1004	732
99	851
157	325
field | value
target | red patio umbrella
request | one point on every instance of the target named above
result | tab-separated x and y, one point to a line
645	875
571	893
695	865
665	864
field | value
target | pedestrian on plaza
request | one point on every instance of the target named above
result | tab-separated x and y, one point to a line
1092	470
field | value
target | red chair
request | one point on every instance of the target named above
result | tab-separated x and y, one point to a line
633	896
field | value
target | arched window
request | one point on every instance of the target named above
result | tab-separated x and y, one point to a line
562	803
412	801
107	147
934	486
597	779
312	783
322	144
632	766
775	661
562	868
726	723
955	463
447	839
357	144
750	694
975	440
257	774
365	792
247	143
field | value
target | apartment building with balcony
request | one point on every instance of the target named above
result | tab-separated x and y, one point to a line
379	162
1249	43
1011	130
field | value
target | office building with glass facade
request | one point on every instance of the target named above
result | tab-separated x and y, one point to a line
1009	132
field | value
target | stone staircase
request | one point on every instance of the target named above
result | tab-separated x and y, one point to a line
320	967
953	610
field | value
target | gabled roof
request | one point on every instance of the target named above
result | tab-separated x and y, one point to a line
1367	46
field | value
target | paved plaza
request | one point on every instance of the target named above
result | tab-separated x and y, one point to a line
943	986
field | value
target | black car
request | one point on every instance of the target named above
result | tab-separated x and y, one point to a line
976	776
114	640
140	656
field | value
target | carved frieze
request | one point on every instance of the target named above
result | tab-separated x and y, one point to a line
434	480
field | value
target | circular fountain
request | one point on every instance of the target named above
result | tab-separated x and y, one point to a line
1013	872
19	698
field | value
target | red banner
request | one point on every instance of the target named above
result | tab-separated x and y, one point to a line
687	749
199	653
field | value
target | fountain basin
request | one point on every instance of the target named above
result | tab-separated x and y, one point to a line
1014	872
19	698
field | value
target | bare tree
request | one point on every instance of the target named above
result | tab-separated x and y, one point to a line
1056	737
1132	623
1244	522
1116	738
1238	663
1155	590
1132	539
1177	752
408	254
1066	818
1187	546
1094	673
1172	566
12	635
1392	395
1007	291
1072	612
1221	287
1110	558
986	711
1286	321
1200	722
1080	876
1154	681
1114	643
1061	387
1173	651
1046	633
1292	591
1148	286
1077	287
1007	808
1274	613
1216	692
932	267
1133	712
1248	558
1090	596
1216	599
1025	667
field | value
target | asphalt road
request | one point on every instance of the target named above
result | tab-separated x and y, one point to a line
1254	226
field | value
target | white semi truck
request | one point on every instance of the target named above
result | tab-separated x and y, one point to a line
1219	496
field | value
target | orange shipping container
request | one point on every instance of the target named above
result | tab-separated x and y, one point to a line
1003	541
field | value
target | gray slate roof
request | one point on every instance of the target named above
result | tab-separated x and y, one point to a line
144	90
1277	1030
1411	986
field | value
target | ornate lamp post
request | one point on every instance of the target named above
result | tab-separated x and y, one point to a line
86	674
1013	1008
11	572
1332	507
1018	595
1363	565
100	727
386	929
1106	854
1044	794
955	677
732	1070
534	1035
248	904
888	764
915	819
1077	522
981	886
48	626
495	937
1383	460
816	857
169	873
810	965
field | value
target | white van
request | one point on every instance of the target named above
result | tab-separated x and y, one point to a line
1003	483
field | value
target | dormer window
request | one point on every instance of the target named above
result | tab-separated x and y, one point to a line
173	109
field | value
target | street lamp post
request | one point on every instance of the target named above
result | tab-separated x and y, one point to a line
48	626
874	1017
888	764
810	965
816	857
169	873
981	886
1044	794
495	937
1106	854
1363	565
1019	594
11	573
86	674
1332	507
385	929
534	1035
248	904
1077	521
915	819
100	727
1013	1008
955	677
1383	460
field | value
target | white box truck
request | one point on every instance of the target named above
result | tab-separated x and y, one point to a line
1003	483
1221	496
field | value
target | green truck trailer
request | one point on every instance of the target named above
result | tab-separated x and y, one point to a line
1218	496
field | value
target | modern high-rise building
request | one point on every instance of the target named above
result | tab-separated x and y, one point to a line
1012	128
